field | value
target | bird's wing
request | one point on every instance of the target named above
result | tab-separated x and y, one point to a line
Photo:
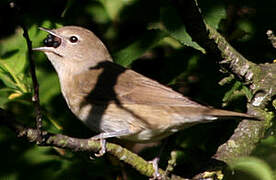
146	99
109	81
138	89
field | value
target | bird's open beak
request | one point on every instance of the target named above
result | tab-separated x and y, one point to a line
44	49
50	32
51	42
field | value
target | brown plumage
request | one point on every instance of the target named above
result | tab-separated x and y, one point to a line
116	101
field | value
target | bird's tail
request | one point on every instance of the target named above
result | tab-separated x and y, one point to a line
219	113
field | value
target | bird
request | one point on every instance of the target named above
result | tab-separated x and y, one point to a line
116	101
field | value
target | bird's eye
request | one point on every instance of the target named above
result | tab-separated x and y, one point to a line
73	39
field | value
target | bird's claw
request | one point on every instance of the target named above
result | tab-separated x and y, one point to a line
103	147
102	151
156	174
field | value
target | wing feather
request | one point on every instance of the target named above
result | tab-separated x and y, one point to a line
112	82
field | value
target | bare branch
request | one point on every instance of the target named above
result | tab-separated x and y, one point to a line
35	97
80	145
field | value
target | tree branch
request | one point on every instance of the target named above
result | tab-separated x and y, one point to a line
211	40
262	80
80	145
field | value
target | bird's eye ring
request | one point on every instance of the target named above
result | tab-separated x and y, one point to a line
73	39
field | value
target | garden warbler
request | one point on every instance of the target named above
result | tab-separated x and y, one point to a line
116	101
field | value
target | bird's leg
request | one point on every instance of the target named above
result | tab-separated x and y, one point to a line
103	148
155	161
105	135
156	174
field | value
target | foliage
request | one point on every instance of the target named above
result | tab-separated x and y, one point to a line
150	38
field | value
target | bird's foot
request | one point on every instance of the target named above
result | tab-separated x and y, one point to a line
103	145
156	174
103	136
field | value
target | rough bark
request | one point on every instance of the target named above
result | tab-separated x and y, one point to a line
261	79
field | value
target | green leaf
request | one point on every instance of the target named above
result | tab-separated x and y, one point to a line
49	87
245	30
113	8
10	76
237	90
232	92
253	167
7	79
98	13
247	92
135	50
172	24
214	15
13	58
13	61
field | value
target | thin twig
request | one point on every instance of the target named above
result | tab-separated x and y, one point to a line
35	97
80	145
